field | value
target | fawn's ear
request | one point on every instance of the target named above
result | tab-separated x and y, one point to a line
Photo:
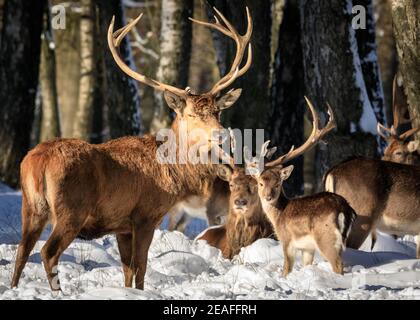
174	101
413	146
224	172
286	172
228	99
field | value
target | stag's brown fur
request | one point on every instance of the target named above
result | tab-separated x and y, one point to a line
116	187
385	195
245	223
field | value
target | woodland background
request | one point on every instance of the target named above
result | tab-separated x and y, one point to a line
64	83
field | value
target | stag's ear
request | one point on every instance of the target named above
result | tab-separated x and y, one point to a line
413	146
224	172
286	172
174	101
228	99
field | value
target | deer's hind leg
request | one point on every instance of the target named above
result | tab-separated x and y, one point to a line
66	228
33	224
330	247
308	257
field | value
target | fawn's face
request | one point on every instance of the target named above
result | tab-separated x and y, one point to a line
270	183
402	152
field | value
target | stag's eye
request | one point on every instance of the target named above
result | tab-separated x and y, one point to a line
399	153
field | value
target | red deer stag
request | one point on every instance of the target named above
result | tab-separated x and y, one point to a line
246	221
318	222
119	187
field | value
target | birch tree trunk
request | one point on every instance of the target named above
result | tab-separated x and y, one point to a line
251	110
286	126
175	50
67	54
121	94
406	18
387	53
333	73
82	124
19	67
50	122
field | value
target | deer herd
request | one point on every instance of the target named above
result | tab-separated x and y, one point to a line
118	187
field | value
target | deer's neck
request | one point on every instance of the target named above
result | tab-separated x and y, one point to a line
274	210
186	178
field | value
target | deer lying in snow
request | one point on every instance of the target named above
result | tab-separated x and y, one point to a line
318	222
120	187
384	194
213	208
246	221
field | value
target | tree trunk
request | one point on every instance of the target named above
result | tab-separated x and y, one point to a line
67	56
251	110
1	18
82	124
175	51
387	53
287	103
19	66
98	117
333	74
50	122
366	44
121	94
406	19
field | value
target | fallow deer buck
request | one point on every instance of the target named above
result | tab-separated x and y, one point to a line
246	221
399	148
383	194
317	222
119	187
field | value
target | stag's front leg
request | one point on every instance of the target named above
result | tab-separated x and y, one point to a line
142	238
125	248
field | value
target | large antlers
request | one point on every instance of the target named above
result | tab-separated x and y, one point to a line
316	135
241	43
114	40
399	104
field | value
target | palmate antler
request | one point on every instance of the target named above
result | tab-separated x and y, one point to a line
242	42
316	135
399	104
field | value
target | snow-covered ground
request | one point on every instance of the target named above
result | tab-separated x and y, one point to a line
179	268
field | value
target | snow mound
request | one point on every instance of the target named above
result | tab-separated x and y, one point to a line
180	268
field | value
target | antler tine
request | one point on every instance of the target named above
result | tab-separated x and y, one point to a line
408	133
395	109
316	135
380	129
232	140
242	42
122	32
114	40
